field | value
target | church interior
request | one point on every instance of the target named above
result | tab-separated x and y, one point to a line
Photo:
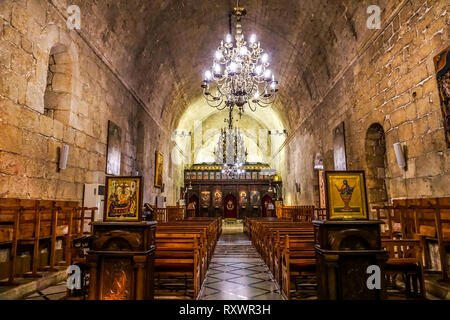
224	150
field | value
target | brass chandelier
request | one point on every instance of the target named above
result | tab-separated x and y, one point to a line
240	73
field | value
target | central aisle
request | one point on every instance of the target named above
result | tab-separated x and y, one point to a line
236	271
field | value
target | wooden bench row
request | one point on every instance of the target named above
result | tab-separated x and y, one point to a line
288	250
185	248
297	213
26	222
170	214
427	220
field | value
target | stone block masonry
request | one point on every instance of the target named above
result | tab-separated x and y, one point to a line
392	83
55	90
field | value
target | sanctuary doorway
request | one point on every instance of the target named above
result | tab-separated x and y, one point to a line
265	201
230	206
193	200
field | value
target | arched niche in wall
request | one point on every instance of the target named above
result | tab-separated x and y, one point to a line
57	76
58	91
375	147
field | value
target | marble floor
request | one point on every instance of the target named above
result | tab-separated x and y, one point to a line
237	272
55	292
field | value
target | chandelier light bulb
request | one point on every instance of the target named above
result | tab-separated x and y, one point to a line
256	96
218	55
243	50
258	69
228	38
273	85
208	75
264	58
267	74
233	66
253	38
217	69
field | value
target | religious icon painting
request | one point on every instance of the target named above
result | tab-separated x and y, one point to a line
123	199
113	154
322	192
217	199
255	198
340	162
205	199
442	65
346	195
159	169
242	199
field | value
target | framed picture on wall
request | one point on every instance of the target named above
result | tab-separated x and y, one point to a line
218	199
205	199
123	199
242	199
346	195
255	198
159	169
114	153
442	66
340	161
322	191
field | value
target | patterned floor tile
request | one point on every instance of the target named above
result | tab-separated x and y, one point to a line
246	280
223	276
237	272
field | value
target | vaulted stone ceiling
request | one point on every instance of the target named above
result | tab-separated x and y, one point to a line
160	48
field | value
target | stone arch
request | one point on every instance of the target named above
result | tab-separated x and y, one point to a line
376	162
58	74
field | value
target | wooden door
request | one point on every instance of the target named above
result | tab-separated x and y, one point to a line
230	206
265	203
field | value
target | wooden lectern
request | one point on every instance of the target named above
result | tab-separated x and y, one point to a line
121	261
344	250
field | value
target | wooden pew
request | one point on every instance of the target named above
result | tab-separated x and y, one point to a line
26	222
184	248
424	219
298	213
298	259
280	244
178	255
270	237
175	213
405	257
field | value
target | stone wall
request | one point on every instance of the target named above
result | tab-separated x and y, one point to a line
390	82
30	137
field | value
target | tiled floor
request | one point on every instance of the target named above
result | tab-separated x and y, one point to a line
237	272
55	292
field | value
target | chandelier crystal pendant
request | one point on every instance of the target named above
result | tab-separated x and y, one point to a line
240	73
